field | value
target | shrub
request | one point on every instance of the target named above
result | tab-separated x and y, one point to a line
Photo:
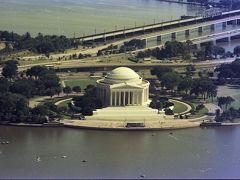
169	112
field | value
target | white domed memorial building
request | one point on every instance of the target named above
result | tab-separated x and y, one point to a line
123	87
125	97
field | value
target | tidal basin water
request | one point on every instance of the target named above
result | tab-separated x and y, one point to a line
85	16
188	153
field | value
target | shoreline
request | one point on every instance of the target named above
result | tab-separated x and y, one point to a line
165	125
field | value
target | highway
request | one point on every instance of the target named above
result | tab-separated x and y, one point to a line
97	64
177	22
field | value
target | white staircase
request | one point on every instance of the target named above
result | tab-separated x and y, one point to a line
127	113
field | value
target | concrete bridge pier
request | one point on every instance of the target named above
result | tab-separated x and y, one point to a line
104	39
174	36
214	42
187	33
212	27
144	42
224	25
234	22
200	30
198	46
159	38
124	34
143	30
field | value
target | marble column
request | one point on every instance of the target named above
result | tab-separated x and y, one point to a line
119	98
111	95
124	98
137	99
132	98
115	98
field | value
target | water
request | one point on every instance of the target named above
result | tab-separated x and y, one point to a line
83	16
188	153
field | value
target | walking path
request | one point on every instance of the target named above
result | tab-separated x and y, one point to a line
212	108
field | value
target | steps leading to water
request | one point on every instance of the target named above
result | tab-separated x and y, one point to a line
128	113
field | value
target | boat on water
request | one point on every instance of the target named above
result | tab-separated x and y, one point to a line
211	123
38	159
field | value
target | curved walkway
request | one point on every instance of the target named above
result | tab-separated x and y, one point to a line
185	104
64	100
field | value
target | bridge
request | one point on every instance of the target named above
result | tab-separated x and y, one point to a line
215	38
170	27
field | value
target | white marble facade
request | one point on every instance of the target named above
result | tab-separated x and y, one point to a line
123	87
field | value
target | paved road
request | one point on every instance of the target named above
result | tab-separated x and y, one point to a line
98	64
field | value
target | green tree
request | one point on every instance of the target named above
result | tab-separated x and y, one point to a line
36	71
13	107
225	101
190	70
217	50
67	90
185	85
171	80
9	69
25	87
4	85
159	71
76	89
236	50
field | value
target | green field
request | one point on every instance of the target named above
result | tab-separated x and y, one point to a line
200	113
179	107
82	83
64	104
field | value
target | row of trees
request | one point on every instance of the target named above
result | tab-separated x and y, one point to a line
183	49
15	90
38	80
225	101
40	44
15	108
170	49
229	70
68	89
174	81
132	45
229	115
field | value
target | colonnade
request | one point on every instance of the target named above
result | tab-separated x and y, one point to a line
124	97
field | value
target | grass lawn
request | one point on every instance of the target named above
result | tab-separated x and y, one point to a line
80	82
64	104
236	103
179	107
200	113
